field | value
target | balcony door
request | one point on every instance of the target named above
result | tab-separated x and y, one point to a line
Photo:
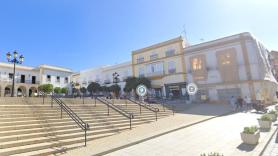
22	79
33	79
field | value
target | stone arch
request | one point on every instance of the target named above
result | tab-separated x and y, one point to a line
32	91
7	90
21	91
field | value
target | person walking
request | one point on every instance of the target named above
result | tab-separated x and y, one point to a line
247	101
232	102
239	103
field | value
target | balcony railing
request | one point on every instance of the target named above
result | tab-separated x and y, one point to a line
158	73
8	80
107	81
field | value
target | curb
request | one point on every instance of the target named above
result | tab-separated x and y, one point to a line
265	146
158	135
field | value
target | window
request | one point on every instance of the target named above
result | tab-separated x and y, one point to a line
171	67
10	75
197	64
153	56
170	52
66	80
58	79
155	69
141	72
225	59
140	59
48	78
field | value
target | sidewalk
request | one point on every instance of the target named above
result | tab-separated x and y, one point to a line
272	147
218	135
145	132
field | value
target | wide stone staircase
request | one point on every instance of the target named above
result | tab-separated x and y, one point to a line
31	126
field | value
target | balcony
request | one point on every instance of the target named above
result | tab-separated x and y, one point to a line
172	71
8	80
153	74
107	81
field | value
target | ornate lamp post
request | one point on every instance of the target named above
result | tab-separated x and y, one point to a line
15	61
115	77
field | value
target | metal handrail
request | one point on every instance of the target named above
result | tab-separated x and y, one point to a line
116	108
83	125
149	107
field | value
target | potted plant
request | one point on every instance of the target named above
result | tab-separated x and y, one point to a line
276	107
273	115
212	154
265	121
250	135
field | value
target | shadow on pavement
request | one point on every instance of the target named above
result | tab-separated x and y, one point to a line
246	147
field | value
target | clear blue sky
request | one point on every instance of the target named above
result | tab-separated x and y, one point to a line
80	34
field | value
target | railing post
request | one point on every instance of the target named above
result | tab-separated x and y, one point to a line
61	112
125	103
86	135
95	102
140	108
163	106
173	109
130	123
155	115
83	98
42	99
51	100
107	110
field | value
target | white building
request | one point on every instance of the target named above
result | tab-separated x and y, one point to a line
27	79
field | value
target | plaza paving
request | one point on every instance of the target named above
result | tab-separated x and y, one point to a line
192	115
217	135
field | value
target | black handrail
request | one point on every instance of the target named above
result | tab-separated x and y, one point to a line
116	108
149	107
83	125
162	101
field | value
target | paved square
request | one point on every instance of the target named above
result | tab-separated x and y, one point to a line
216	135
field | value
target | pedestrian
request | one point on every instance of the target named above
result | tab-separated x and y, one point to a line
239	103
247	101
232	102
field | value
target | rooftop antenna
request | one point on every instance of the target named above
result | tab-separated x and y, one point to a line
185	35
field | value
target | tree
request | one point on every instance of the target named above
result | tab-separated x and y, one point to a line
115	89
93	87
145	81
64	90
83	90
57	90
133	82
46	88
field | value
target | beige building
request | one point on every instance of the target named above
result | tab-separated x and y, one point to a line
237	65
164	65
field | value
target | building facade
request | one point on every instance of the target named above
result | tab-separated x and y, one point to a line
237	65
28	79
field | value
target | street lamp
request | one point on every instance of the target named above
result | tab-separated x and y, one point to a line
115	77
14	60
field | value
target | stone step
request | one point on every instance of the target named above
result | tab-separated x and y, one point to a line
47	145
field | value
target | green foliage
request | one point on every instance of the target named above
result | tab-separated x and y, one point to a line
212	154
47	88
272	112
93	87
104	89
57	90
250	130
266	117
64	90
115	89
83	90
133	82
